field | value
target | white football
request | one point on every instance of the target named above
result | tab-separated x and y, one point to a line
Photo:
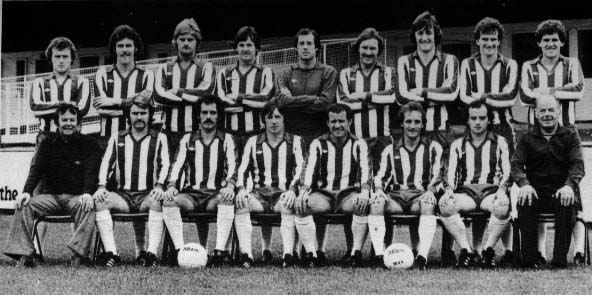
398	256
192	255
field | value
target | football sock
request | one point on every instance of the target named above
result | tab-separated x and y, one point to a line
359	229
288	232
456	227
507	238
413	236
155	229
306	231
224	219
542	243
321	234
105	226
377	229
478	229
140	232
496	228
244	231
426	231
266	235
578	237
174	224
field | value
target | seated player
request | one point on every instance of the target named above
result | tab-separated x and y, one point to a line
208	159
337	179
406	183
139	159
477	178
273	162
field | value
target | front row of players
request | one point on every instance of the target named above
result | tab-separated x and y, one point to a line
337	178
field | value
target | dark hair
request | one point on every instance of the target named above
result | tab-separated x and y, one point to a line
489	25
412	106
477	104
127	111
550	27
306	31
245	33
428	21
337	108
60	43
66	107
270	107
212	99
124	31
369	33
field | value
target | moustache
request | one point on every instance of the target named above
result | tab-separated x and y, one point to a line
368	55
209	121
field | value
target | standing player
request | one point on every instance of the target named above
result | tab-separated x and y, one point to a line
493	78
561	77
337	178
407	183
180	84
476	177
306	88
273	161
115	87
139	159
208	159
59	87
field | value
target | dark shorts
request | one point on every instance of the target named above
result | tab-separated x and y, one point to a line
477	192
268	197
201	198
406	198
337	198
133	199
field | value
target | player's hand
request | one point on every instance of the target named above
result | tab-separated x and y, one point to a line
233	96
227	193
526	194
242	199
363	201
101	102
87	202
565	195
448	197
358	96
157	193
301	202
542	90
174	91
416	91
502	198
287	199
377	195
285	91
428	198
22	200
170	193
101	194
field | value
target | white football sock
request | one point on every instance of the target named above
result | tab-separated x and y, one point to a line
426	231
140	233
496	228
542	243
456	227
244	231
288	232
224	219
377	229
105	226
507	238
359	229
307	232
579	232
155	229
174	224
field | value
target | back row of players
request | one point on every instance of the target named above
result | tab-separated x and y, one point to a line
273	119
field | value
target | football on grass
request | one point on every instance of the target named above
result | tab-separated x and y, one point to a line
192	255
398	256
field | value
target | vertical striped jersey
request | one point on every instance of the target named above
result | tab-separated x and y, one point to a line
255	87
267	166
334	168
179	112
499	84
109	83
47	93
488	163
138	164
206	166
437	81
565	77
371	116
401	168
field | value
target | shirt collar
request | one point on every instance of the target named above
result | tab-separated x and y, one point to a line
75	137
401	143
318	65
499	58
68	75
561	58
255	65
219	133
437	54
327	137
358	67
536	130
261	138
467	136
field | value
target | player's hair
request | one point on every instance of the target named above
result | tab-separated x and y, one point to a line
212	99
67	107
187	26
369	33
60	43
549	27
245	33
337	108
428	21
124	31
412	106
270	107
127	111
307	31
477	104
488	25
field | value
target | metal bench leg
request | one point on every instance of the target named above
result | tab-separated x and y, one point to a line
37	241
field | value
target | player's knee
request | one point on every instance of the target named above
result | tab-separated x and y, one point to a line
377	208
239	211
427	208
101	206
447	209
500	211
169	203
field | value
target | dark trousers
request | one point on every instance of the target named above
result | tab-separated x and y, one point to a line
565	219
